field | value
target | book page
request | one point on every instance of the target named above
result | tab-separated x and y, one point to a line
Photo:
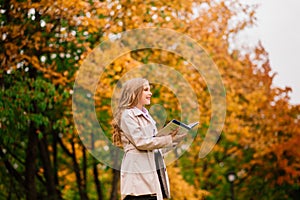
173	125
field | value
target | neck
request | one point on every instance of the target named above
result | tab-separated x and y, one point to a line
139	106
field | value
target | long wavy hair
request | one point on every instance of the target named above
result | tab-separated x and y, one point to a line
131	92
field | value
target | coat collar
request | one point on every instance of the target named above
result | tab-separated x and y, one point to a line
138	112
144	113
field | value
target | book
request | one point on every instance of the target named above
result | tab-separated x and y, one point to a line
173	125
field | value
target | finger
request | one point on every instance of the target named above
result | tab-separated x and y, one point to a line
180	137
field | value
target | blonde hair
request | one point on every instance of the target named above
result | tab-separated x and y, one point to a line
130	94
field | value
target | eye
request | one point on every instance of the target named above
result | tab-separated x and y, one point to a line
146	89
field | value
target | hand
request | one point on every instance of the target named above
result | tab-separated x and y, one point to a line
177	138
174	133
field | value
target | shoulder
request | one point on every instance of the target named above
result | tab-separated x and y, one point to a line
128	112
132	112
128	119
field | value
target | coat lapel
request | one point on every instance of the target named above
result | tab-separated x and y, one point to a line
145	114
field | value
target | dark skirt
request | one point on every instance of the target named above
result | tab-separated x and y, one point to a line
142	197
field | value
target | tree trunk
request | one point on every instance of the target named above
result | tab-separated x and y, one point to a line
55	165
84	169
82	192
97	181
14	176
48	170
115	183
31	156
95	172
116	175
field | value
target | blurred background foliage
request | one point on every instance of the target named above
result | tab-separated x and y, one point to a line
43	44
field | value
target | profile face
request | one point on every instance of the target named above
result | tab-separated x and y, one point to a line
145	98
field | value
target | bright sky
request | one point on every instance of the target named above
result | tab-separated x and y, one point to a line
279	31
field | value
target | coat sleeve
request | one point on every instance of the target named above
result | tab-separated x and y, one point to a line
142	137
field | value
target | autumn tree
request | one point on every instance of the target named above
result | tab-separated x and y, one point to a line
43	45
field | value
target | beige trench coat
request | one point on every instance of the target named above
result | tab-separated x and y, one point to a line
138	172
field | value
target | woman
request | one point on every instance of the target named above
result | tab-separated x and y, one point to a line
135	130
